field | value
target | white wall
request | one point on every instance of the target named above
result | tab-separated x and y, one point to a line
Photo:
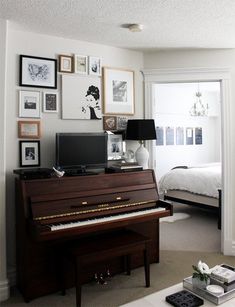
207	58
173	102
48	46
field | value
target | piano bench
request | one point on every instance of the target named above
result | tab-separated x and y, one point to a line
105	247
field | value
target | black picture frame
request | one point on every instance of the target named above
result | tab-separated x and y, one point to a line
29	153
38	72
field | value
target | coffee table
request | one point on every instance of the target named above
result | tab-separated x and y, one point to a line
157	299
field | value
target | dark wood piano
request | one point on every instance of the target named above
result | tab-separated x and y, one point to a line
52	212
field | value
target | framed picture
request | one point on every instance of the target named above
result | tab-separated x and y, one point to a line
115	148
29	104
118	91
94	66
80	64
38	72
29	129
109	123
122	123
65	63
29	153
50	102
81	97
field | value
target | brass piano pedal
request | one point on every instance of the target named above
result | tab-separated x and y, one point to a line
96	279
108	275
102	280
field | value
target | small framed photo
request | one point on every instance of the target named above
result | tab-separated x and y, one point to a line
29	153
122	123
65	63
29	129
80	64
38	72
50	102
29	104
95	66
109	123
115	146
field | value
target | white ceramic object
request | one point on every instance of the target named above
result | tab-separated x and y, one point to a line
142	156
215	289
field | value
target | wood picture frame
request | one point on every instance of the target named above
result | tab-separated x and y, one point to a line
29	129
29	153
65	63
38	72
80	64
50	102
29	104
118	91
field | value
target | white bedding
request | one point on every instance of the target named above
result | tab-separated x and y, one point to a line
202	179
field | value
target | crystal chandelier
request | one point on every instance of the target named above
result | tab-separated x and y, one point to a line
198	108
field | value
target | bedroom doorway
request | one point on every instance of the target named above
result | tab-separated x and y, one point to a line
177	75
188	162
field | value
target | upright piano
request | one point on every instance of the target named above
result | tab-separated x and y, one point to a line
54	211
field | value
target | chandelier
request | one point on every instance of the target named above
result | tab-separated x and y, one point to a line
198	108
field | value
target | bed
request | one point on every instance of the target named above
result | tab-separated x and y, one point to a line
198	185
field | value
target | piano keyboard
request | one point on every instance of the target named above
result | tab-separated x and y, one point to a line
104	219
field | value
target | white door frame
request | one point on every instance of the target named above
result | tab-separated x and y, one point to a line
154	76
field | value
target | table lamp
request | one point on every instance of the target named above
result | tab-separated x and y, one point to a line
141	130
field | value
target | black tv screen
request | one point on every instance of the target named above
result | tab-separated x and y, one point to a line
81	150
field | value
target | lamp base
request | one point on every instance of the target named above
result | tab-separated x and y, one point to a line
142	156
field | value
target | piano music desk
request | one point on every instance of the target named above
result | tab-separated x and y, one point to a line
122	243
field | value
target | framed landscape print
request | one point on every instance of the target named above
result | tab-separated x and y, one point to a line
38	72
80	64
29	129
29	104
81	97
29	153
65	63
50	102
94	66
118	91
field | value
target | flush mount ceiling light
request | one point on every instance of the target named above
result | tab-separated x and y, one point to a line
135	27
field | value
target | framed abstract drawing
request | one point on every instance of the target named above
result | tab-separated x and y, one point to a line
50	102
38	72
118	91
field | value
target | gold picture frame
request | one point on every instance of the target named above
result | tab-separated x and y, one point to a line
118	91
29	129
66	63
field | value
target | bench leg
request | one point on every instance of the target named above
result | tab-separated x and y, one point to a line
78	284
146	266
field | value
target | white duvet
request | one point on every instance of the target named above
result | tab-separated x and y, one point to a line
203	179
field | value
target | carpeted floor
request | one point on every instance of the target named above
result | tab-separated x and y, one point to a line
183	243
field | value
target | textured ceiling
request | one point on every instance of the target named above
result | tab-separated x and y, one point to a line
167	23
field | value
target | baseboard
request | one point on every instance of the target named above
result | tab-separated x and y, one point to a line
11	274
4	290
229	248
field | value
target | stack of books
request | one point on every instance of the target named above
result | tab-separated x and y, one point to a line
224	276
125	167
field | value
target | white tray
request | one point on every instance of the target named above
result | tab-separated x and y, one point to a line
216	299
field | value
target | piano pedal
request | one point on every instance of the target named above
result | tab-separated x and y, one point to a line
108	275
96	279
102	281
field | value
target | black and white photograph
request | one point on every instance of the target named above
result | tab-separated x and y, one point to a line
80	64
198	136
189	136
160	136
115	148
38	72
170	136
50	102
65	63
118	91
29	104
95	66
122	123
29	153
179	136
109	123
81	97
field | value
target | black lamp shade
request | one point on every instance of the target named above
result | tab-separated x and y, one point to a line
140	129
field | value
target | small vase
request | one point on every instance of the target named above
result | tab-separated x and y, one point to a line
198	283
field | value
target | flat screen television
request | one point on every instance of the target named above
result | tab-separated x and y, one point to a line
77	152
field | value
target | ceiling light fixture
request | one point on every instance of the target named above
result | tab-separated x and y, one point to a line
135	27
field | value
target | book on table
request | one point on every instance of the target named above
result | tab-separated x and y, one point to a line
223	273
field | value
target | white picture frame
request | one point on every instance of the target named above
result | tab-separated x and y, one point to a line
95	67
50	102
80	64
29	104
118	91
115	146
81	97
